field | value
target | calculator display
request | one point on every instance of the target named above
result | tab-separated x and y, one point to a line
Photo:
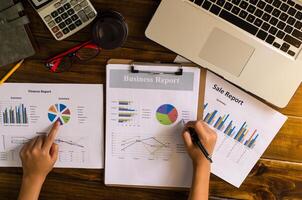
39	3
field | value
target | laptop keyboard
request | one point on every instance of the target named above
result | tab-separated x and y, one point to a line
278	23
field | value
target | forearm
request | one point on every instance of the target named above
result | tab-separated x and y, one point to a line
30	188
201	181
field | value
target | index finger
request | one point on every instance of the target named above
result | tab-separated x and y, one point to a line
50	139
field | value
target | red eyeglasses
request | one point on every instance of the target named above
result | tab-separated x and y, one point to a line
63	62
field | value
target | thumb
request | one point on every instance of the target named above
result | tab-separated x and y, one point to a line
54	151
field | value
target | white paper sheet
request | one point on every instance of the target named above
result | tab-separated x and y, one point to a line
28	110
144	145
245	128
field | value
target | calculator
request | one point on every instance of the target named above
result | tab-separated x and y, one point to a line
65	17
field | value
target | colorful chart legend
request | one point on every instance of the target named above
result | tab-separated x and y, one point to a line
166	114
59	112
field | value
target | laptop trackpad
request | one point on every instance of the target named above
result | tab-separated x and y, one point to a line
227	52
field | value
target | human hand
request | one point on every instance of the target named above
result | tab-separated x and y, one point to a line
39	155
206	135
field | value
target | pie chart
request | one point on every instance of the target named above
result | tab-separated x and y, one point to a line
166	114
59	112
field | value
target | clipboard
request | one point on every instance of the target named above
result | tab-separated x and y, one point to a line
202	82
178	72
135	67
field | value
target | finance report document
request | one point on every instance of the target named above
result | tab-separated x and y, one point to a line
30	110
245	128
144	145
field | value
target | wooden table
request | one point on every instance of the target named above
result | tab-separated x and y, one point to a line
278	174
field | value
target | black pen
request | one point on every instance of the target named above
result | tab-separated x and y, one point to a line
197	142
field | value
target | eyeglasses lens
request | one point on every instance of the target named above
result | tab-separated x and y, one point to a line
87	52
64	65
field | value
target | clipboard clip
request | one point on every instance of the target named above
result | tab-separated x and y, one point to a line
179	72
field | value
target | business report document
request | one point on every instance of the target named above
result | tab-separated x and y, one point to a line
30	110
144	145
244	125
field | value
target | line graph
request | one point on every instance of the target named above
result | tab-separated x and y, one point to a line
20	140
151	144
142	147
69	142
70	151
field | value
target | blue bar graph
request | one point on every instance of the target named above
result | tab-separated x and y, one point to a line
125	109
15	115
124	103
225	124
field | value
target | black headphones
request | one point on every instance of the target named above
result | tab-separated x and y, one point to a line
110	30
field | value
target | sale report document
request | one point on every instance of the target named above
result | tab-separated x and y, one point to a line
30	110
244	125
144	145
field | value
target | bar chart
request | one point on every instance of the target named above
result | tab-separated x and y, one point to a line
223	122
15	115
244	126
125	113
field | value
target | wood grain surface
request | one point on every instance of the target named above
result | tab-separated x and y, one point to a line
277	175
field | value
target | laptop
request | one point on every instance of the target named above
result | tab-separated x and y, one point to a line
255	44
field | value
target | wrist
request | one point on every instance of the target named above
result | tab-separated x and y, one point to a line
31	187
204	165
33	179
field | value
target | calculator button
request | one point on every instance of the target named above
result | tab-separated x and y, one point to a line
54	14
63	1
73	2
84	3
87	9
68	21
55	29
79	1
51	24
67	6
70	12
83	16
91	15
62	25
59	34
61	10
65	30
78	23
57	5
72	27
77	8
47	18
64	15
58	19
74	17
